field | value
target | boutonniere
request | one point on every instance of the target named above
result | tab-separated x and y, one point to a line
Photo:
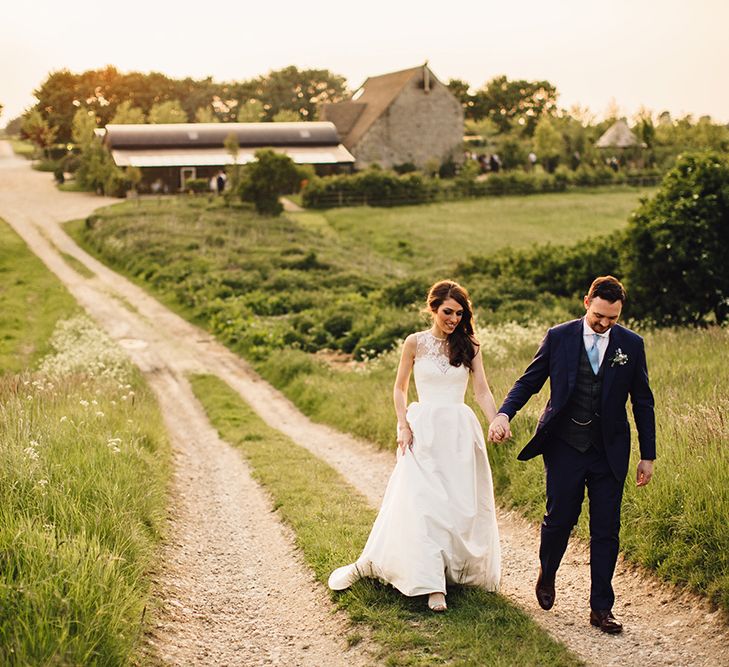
620	358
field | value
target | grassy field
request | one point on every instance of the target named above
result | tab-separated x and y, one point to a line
308	282
331	522
84	464
32	302
23	148
276	289
438	233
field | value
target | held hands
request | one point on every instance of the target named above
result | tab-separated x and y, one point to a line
404	437
499	429
645	472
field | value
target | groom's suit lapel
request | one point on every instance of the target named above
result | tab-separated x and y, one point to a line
572	351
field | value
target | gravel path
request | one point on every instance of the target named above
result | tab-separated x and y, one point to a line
663	625
232	587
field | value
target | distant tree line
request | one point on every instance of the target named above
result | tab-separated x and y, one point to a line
514	118
112	96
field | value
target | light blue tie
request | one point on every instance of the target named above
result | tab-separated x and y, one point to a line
593	354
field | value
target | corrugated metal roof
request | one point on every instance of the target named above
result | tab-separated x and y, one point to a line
213	135
216	157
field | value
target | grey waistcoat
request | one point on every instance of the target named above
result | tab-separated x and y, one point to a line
579	426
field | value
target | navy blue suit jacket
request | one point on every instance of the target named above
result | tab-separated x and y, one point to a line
557	359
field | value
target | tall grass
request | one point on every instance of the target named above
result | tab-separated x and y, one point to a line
84	465
31	302
677	525
331	522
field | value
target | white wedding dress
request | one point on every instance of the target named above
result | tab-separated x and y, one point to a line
437	523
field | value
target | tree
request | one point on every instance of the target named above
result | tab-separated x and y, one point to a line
517	102
251	111
206	115
460	90
677	241
301	91
286	116
167	112
82	131
37	130
548	144
265	180
126	114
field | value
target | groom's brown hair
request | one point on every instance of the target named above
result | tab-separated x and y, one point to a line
608	288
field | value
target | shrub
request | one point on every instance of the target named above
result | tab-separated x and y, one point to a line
197	185
404	168
271	175
375	187
677	241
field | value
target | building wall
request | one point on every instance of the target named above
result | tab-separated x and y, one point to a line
418	127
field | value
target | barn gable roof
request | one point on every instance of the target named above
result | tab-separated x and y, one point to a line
370	102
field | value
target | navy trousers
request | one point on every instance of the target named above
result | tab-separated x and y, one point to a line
569	472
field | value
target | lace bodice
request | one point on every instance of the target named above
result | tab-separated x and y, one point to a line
435	379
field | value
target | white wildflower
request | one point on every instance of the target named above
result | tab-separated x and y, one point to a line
80	346
64	419
42	483
31	453
99	413
84	402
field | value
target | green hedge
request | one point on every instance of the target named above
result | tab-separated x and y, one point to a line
375	187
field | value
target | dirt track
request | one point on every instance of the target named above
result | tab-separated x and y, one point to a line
223	603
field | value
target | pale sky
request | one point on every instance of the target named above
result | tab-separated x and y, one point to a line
664	55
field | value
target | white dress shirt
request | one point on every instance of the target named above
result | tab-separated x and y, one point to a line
602	341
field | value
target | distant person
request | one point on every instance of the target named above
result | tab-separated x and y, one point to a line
613	163
532	157
437	523
156	186
220	181
593	365
495	163
213	184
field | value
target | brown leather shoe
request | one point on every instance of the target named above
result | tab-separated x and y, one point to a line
605	621
545	592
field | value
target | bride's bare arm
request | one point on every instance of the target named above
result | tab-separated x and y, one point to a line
400	391
481	389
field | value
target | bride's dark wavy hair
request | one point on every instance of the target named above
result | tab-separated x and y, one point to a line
462	343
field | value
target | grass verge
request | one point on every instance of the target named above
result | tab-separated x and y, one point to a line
84	468
332	521
32	303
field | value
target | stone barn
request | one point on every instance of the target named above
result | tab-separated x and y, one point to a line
169	155
398	118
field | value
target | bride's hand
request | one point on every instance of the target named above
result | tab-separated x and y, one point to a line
404	438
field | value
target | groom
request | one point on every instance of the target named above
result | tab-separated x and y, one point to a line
593	365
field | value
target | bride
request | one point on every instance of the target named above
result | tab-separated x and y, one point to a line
437	523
